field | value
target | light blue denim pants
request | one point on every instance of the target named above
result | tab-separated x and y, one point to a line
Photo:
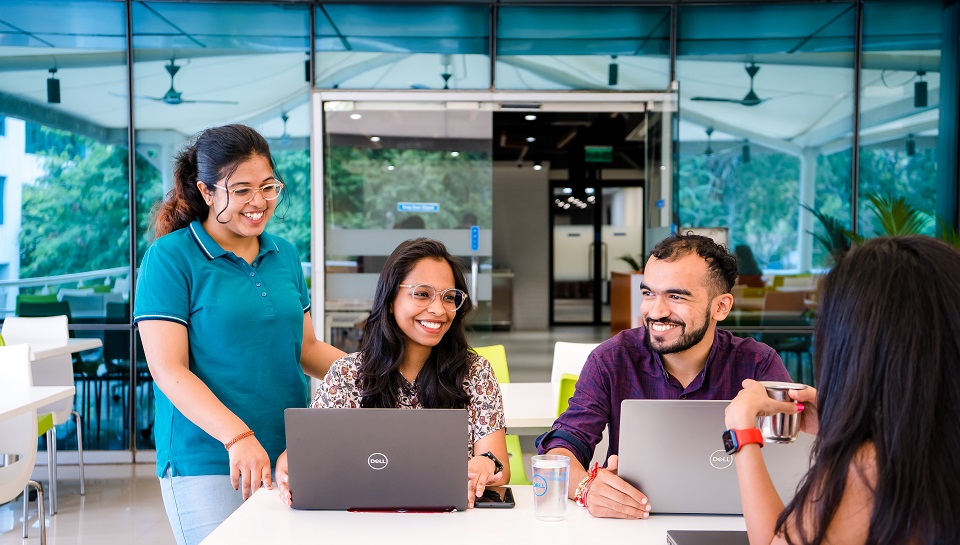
197	505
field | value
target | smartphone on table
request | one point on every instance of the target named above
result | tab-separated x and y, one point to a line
496	497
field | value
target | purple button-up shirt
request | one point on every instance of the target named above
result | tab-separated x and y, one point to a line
624	367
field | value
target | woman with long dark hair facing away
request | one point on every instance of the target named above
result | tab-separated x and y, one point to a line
886	459
414	355
224	316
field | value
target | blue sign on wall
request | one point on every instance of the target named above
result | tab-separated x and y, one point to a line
429	207
661	203
475	238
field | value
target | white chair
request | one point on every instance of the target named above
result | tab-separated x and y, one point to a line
568	359
55	371
18	438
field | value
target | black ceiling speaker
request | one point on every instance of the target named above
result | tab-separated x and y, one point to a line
53	87
745	156
920	91
911	146
709	151
613	74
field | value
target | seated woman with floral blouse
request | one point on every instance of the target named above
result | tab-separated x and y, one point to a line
414	355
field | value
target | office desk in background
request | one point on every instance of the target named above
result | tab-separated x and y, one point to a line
14	401
264	519
529	407
42	351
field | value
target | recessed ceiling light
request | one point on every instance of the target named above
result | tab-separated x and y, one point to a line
374	138
531	139
530	117
454	154
355	116
390	167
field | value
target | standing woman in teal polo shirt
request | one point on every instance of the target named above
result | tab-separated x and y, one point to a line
224	316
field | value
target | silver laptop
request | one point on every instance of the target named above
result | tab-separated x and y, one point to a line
378	459
672	451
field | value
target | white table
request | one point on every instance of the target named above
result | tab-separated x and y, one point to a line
14	401
41	351
529	407
264	519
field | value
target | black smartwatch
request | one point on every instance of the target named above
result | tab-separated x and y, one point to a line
496	462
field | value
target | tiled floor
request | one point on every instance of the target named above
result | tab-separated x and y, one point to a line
123	505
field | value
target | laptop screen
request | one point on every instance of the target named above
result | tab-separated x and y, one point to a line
377	459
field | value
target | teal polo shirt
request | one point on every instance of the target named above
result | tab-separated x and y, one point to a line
245	326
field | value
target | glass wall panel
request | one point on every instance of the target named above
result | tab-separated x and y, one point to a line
615	48
900	97
201	65
64	239
766	113
394	174
403	46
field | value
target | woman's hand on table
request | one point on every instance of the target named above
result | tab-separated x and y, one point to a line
480	473
283	480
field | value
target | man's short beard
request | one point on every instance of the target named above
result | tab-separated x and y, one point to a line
686	340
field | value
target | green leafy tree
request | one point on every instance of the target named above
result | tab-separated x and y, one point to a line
754	200
291	220
75	216
363	191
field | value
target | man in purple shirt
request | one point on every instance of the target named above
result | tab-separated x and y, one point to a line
678	354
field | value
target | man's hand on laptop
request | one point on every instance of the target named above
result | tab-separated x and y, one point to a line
283	480
610	496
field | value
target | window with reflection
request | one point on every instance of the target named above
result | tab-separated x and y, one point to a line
610	48
66	242
394	174
201	65
766	100
766	113
900	97
396	46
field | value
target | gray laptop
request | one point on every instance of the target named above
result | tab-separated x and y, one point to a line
378	459
707	537
672	451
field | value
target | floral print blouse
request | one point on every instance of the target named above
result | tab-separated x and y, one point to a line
340	389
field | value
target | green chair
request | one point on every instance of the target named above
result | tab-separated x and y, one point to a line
30	298
497	356
568	384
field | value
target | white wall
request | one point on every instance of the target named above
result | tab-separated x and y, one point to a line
521	230
18	169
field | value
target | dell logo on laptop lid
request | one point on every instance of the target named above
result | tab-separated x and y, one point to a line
719	459
377	460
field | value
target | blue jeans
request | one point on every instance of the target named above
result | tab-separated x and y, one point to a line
197	505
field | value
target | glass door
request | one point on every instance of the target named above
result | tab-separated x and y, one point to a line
609	205
396	171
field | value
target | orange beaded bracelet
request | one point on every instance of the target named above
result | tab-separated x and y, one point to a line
243	435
